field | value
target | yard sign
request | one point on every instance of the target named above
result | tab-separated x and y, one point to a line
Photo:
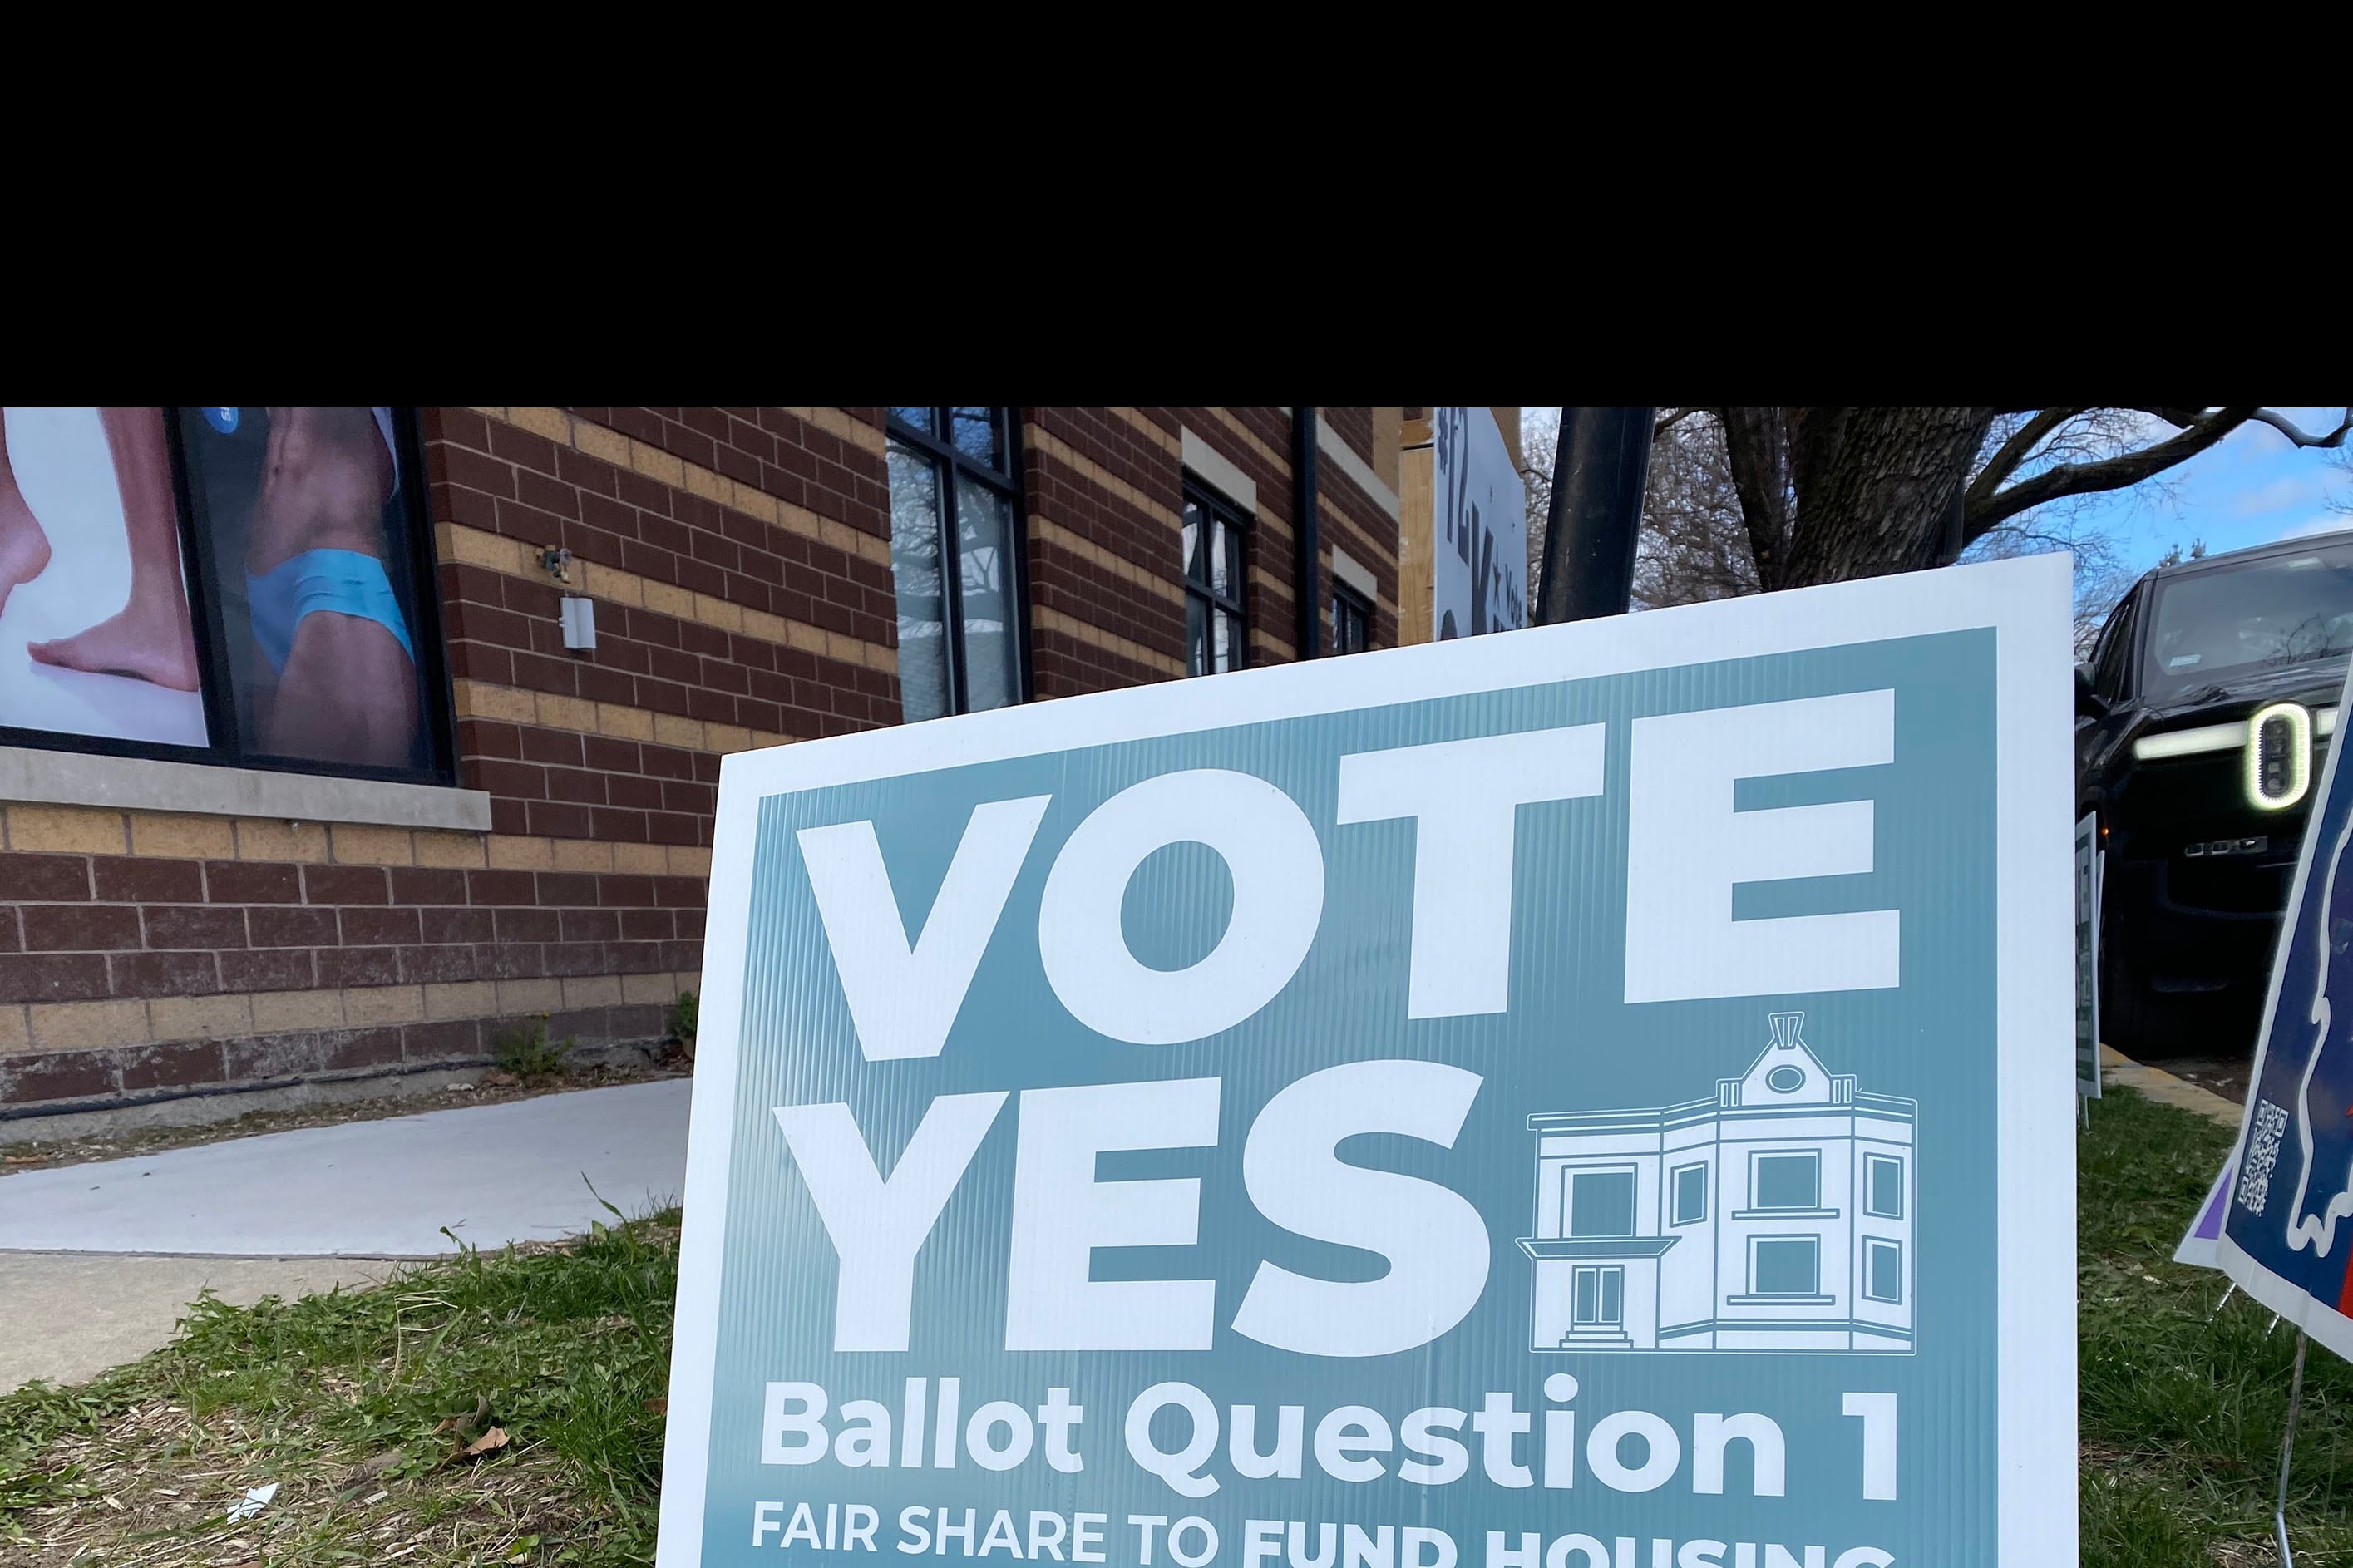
2205	1233
2285	1237
2088	859
1584	1098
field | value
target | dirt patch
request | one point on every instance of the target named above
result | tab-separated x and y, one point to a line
492	1088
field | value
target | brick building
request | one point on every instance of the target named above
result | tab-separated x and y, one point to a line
257	853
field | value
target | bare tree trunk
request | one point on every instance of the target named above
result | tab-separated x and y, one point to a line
1877	493
1756	443
1830	494
1743	499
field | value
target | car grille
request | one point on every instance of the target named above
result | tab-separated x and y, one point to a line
2233	886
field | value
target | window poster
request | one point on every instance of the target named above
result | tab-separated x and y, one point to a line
96	636
284	603
303	514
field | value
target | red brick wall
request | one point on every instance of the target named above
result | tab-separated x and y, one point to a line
183	935
1353	426
1112	480
738	560
1084	581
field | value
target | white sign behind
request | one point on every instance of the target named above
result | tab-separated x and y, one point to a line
1479	527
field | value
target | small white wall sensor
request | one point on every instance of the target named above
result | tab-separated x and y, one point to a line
579	624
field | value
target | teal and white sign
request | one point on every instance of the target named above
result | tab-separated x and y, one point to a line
1585	1098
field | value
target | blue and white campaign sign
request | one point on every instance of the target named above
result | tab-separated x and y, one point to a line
2285	1232
1585	1098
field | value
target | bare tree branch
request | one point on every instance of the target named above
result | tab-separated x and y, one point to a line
1756	448
1694	545
1668	421
2113	473
2180	419
2014	451
2185	418
2286	427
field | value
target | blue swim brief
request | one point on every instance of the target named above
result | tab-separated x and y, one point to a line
344	581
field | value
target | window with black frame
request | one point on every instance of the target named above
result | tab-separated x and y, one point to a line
1352	621
955	559
1217	622
243	586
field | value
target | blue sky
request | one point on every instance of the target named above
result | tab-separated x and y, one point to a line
2251	488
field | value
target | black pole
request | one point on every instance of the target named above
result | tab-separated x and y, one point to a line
1598	473
1307	578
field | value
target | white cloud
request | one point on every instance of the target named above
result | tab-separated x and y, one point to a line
2295	491
2327	523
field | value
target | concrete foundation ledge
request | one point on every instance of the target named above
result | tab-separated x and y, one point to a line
49	1095
146	784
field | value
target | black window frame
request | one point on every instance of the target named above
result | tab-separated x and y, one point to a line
1215	509
941	448
209	624
1360	608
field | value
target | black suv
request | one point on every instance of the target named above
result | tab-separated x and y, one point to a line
2200	724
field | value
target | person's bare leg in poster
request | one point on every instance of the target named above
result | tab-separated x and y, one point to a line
24	548
324	610
150	637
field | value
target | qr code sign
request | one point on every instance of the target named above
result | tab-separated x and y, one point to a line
2263	1155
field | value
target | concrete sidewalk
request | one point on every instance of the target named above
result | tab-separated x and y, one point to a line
490	1174
2158	1084
69	1316
98	1261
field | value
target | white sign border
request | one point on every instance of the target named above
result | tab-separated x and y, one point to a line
2026	602
2307	1312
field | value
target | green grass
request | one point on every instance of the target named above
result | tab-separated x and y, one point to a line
2182	1405
528	1052
356	1403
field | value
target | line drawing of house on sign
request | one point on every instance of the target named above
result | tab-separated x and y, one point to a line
1775	1216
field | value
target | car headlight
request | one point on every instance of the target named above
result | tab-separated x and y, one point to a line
2279	756
2217	737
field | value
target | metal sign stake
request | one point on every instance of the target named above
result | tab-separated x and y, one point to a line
2287	1452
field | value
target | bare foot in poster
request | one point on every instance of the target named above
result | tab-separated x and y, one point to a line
150	637
147	641
24	548
323	608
